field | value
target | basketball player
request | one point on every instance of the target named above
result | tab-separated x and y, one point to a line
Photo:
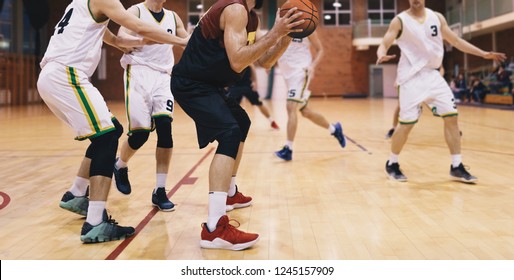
297	67
222	45
247	87
148	98
419	33
69	62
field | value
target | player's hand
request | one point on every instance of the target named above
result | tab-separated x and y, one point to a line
498	57
287	24
385	58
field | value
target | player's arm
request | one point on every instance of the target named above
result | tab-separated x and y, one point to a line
114	10
464	45
318	48
392	33
124	45
233	21
181	29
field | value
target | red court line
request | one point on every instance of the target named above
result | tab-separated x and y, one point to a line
184	181
6	200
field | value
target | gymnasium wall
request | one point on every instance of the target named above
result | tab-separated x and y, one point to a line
343	70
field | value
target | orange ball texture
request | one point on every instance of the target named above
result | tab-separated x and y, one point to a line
310	15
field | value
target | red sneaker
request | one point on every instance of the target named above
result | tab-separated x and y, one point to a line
274	125
239	200
226	236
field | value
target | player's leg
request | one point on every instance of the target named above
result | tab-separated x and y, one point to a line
216	123
444	106
138	115
236	199
413	93
255	100
76	198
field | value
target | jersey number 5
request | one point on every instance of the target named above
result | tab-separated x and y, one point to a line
64	21
434	30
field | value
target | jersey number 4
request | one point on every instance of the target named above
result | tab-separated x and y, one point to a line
64	21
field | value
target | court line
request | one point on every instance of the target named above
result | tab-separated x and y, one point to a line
357	144
6	200
186	180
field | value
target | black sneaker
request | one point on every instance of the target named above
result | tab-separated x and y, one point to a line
390	133
460	173
121	179
285	154
107	230
161	201
394	173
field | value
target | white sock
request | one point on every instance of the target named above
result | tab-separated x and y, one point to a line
332	129
456	160
95	212
79	187
161	180
217	208
393	158
270	119
120	164
232	189
289	144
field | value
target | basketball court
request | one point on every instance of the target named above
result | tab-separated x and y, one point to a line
328	203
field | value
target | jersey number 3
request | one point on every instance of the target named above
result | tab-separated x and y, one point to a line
64	21
434	30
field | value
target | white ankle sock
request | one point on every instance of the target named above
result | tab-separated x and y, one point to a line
95	212
289	144
331	129
232	189
456	160
161	180
393	158
120	164
217	208
79	187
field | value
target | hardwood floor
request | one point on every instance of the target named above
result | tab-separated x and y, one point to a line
328	203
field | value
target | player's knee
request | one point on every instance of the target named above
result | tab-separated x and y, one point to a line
228	142
118	126
164	136
244	123
102	151
137	139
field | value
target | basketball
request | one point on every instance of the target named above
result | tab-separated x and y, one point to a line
310	15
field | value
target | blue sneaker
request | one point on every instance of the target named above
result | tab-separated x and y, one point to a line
161	201
338	134
285	154
121	179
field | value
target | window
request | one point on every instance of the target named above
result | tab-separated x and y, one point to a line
381	12
194	11
337	12
6	26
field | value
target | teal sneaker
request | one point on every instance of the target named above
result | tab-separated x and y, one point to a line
75	204
107	230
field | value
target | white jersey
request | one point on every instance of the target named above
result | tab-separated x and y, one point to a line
297	57
77	40
421	45
159	57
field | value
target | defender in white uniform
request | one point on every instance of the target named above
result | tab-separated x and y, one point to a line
419	33
71	58
297	67
148	98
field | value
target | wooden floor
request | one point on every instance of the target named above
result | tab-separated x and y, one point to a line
328	203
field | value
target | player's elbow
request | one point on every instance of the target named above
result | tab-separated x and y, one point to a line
237	66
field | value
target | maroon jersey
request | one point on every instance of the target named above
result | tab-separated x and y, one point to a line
205	58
